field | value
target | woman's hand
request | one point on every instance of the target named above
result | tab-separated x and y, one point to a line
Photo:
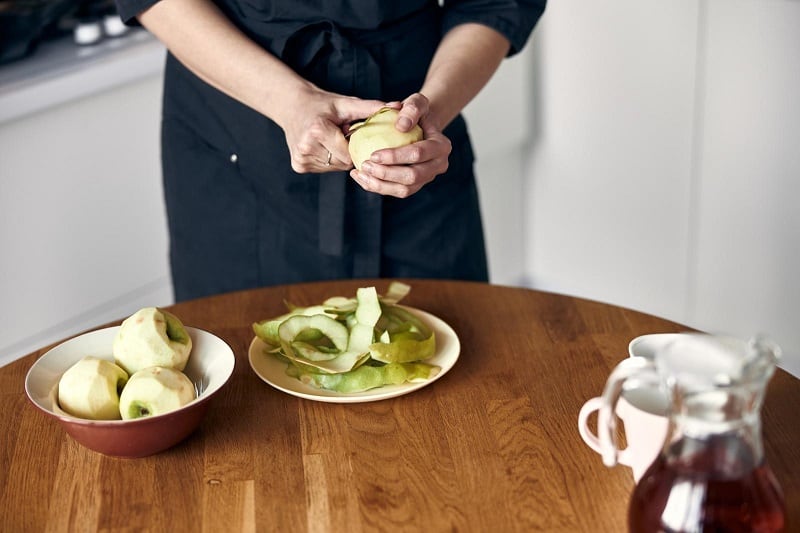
466	59
403	171
315	128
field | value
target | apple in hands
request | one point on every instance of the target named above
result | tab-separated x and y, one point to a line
152	337
154	391
91	389
377	132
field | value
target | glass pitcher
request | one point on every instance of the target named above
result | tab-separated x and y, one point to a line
711	474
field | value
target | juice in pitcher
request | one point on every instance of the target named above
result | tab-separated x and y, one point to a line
714	485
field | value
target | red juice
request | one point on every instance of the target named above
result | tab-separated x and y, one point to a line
712	489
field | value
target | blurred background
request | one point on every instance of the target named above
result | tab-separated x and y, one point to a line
638	152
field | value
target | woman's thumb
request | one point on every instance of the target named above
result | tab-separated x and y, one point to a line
352	109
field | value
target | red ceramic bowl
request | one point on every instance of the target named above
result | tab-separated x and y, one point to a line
210	366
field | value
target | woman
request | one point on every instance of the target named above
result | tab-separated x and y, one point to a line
258	95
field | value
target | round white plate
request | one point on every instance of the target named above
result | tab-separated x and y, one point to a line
273	371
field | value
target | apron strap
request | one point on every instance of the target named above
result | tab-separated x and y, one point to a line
340	61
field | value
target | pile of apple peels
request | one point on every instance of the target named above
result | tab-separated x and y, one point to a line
352	344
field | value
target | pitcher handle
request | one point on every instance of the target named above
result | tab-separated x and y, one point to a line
632	367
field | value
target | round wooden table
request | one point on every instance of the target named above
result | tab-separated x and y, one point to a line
491	446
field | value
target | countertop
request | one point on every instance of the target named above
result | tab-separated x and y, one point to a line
60	71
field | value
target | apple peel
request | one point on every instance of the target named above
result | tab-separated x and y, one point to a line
385	343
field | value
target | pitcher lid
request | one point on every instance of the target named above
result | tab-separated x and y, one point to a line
703	361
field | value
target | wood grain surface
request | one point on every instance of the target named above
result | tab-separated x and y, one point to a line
491	446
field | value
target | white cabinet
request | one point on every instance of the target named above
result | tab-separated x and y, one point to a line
82	223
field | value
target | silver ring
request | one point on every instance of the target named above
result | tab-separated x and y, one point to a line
328	162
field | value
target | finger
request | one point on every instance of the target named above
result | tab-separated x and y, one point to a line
412	154
328	158
351	109
330	162
408	175
340	149
303	156
414	108
405	155
332	141
385	188
315	157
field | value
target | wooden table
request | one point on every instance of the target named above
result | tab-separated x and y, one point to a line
491	446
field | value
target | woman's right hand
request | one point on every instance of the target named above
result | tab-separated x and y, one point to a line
207	43
315	129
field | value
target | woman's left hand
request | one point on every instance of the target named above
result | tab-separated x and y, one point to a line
403	171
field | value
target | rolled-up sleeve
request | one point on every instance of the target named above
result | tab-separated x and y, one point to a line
513	19
128	9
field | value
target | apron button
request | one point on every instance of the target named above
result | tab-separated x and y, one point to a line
234	158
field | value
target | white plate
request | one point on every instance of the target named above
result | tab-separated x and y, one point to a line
273	371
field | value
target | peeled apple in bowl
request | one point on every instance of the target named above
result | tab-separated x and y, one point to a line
90	389
155	391
377	132
151	337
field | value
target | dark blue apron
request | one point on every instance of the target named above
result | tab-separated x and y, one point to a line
239	217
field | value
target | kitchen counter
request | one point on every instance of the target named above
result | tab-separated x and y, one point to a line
60	71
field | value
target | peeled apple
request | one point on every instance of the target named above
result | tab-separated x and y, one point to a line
377	132
151	337
154	391
90	389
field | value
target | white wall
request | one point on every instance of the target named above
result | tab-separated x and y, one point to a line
664	173
747	244
82	224
500	126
